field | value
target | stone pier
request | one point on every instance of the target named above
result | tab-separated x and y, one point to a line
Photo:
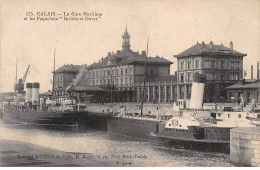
245	146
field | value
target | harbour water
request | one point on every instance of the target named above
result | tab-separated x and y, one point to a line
122	150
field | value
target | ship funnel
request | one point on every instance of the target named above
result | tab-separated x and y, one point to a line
35	92
28	96
197	91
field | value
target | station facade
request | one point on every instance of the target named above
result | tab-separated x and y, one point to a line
125	70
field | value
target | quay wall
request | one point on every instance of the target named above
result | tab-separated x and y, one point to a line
148	108
245	146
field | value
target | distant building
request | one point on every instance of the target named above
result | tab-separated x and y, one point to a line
63	77
46	95
247	89
122	73
222	66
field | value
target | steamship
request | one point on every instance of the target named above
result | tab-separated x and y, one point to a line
188	130
31	111
36	112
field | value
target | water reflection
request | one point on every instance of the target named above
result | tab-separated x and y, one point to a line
138	152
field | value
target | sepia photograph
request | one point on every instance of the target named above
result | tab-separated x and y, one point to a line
137	83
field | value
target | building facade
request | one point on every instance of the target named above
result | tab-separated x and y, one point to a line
221	65
63	77
125	70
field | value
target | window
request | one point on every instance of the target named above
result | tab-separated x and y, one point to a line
181	77
189	64
222	64
122	71
222	76
196	63
131	81
125	71
231	76
108	73
189	76
239	115
182	64
219	115
237	64
121	81
231	95
228	115
131	70
151	72
206	64
212	63
236	76
232	64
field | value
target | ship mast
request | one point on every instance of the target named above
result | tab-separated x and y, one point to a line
53	74
16	72
142	103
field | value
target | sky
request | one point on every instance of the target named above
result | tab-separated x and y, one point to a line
171	25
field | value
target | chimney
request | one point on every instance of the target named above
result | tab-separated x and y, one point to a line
203	44
257	70
231	45
211	45
252	72
143	53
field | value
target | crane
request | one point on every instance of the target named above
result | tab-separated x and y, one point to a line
19	86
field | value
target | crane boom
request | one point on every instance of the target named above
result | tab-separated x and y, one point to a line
25	74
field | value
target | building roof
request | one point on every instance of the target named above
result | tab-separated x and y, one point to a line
69	68
203	48
87	88
162	78
247	84
128	57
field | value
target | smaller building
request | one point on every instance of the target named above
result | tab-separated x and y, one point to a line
247	91
63	77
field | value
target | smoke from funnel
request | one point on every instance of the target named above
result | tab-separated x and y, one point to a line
79	76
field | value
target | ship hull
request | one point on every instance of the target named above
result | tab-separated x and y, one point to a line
133	127
69	120
153	130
